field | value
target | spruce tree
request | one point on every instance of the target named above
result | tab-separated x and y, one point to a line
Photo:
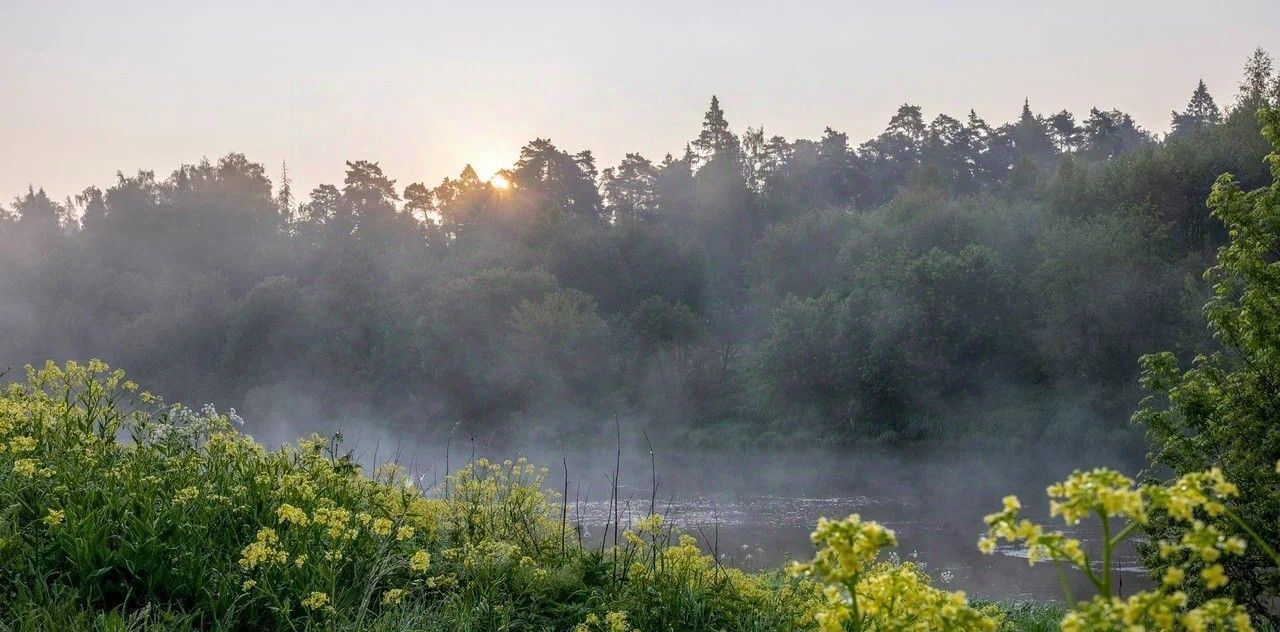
715	139
284	198
1201	112
1256	82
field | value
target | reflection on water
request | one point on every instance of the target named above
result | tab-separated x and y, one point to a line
760	516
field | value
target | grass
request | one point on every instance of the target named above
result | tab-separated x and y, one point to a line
1030	616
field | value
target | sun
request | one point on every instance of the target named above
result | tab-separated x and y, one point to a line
499	181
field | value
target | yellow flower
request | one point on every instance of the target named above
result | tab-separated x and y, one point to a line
1173	577
248	584
262	550
54	518
288	513
25	467
420	561
1214	577
315	601
617	622
336	521
393	596
651	524
1011	503
381	526
404	533
22	444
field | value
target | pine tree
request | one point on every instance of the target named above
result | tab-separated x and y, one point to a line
1063	130
38	215
284	198
1201	112
1256	82
715	139
909	122
1030	135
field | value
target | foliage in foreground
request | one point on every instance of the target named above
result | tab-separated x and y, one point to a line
116	503
121	511
1225	410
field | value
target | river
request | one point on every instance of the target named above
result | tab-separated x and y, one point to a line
757	510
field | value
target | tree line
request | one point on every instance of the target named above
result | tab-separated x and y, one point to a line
947	278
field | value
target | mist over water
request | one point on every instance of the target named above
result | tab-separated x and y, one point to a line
755	508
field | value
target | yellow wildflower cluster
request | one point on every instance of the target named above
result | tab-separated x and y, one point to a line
24	467
1109	495
336	521
863	594
393	596
845	548
902	593
651	524
315	601
186	494
648	527
1205	491
287	513
491	499
1205	541
420	561
1163	611
20	445
265	549
1102	490
54	517
1041	544
294	484
612	622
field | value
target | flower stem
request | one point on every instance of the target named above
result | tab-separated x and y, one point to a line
1257	539
1107	546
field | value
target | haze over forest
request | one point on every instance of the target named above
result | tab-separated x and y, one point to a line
951	277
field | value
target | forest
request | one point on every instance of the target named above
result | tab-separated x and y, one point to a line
949	279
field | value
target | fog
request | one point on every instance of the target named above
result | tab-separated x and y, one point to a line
755	508
910	326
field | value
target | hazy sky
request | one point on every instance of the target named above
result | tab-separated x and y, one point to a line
89	88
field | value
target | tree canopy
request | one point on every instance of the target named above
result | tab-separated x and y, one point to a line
947	275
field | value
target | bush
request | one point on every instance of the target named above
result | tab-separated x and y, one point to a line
122	509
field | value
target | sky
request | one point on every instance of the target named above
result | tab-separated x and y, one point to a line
91	88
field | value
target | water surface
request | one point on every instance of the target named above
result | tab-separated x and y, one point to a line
757	511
